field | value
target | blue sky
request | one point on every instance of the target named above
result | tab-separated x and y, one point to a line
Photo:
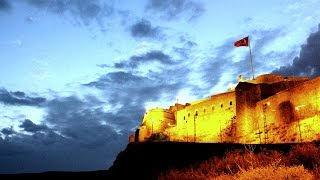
77	76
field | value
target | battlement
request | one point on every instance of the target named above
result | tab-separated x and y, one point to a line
274	78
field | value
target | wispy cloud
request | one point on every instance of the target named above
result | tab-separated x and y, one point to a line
170	10
151	56
85	12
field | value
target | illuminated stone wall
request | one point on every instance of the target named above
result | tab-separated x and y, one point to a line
206	121
292	115
247	97
269	109
155	121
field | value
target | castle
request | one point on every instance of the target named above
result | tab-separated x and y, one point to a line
268	109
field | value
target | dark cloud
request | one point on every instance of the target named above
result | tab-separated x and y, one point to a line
133	91
5	5
130	89
152	56
308	61
83	134
175	9
11	150
144	29
82	137
119	78
29	126
19	94
84	12
7	131
52	152
128	93
19	98
82	121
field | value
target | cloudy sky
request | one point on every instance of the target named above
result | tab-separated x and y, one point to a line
76	76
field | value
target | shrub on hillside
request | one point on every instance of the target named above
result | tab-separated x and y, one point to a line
269	157
246	159
231	163
246	164
307	155
269	173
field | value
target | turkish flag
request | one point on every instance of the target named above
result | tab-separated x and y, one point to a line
242	42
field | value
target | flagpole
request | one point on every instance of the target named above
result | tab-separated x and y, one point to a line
251	61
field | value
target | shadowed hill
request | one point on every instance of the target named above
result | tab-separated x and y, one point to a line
148	160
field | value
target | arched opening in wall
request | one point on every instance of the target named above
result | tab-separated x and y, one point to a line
188	114
212	108
204	110
221	105
230	103
286	112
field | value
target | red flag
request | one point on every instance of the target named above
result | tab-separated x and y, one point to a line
242	42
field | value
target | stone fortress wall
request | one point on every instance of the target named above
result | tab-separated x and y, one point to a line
269	109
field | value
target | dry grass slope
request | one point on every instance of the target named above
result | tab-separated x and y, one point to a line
302	162
270	173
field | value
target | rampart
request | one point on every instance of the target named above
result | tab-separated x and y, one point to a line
269	109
